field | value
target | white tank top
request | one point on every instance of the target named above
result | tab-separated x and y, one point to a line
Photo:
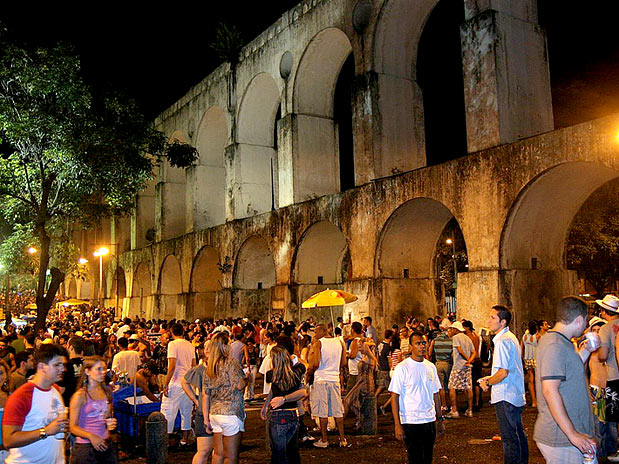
330	357
530	345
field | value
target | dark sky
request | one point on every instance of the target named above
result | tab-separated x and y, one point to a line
156	55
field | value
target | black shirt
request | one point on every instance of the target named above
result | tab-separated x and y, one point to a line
299	370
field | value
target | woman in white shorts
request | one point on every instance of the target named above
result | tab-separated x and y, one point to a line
224	411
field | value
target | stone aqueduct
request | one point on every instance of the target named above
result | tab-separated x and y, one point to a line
262	221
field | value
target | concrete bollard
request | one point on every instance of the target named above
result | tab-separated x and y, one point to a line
369	420
156	438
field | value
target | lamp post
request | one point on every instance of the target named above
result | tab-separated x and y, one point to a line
100	253
452	242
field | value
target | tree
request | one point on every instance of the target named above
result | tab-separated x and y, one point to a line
69	153
593	243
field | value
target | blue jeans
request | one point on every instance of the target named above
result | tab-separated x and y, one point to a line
515	444
283	430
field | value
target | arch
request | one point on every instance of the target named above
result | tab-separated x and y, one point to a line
316	161
208	179
321	261
320	253
119	277
405	259
254	266
316	76
255	165
533	242
141	290
400	144
204	283
253	278
257	111
170	287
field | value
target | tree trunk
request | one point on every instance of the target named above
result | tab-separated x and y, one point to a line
44	300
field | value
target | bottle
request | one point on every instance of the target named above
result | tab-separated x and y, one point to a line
589	458
62	415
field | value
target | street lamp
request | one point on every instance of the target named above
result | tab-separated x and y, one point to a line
100	253
32	250
82	261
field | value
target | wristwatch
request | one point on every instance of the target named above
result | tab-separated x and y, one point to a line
42	433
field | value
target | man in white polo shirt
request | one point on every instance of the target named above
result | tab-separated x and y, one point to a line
416	403
507	382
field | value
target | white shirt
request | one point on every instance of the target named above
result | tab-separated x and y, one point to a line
506	355
416	383
185	355
126	361
330	357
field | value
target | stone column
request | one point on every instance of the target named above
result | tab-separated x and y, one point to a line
388	126
308	162
505	70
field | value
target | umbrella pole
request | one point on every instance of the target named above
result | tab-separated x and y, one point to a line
332	320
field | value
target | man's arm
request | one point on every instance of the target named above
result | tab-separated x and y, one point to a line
440	429
550	390
168	378
395	409
143	384
14	437
498	377
314	357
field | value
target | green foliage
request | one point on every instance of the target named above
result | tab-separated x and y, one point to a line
68	154
227	43
593	243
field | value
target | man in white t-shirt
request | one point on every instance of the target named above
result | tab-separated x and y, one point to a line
126	360
181	358
416	403
32	415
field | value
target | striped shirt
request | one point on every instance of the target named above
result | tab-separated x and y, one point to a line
443	347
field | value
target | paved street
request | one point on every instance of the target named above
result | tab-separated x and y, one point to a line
467	441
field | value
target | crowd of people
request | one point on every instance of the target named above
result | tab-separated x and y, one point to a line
57	384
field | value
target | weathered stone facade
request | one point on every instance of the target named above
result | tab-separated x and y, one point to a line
260	223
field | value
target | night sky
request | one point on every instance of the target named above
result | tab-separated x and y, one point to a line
156	55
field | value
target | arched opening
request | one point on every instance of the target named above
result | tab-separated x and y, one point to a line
205	283
207	192
592	249
256	160
534	272
316	163
254	275
170	288
141	291
410	258
342	115
119	289
583	56
400	145
320	258
439	74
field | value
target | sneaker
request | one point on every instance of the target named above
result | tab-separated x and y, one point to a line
452	415
469	413
307	438
321	444
344	443
382	410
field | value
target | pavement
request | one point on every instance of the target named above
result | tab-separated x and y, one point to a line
467	441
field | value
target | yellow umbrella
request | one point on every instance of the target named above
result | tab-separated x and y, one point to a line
31	306
330	298
73	302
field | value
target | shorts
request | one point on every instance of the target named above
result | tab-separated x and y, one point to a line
461	379
198	426
529	364
443	369
227	425
382	379
177	400
612	401
85	452
326	400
